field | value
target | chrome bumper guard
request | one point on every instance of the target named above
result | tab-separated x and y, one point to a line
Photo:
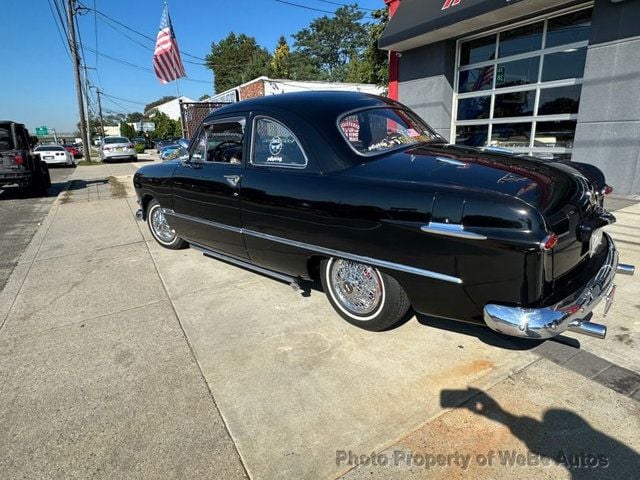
139	215
547	322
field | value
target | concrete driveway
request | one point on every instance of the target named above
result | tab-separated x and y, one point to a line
119	358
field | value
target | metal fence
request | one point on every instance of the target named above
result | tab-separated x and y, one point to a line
193	113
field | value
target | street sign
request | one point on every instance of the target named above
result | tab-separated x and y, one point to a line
42	131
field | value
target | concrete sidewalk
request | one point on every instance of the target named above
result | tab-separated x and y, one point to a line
119	358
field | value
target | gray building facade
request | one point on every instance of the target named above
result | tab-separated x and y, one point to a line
554	79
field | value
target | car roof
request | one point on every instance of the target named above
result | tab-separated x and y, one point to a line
310	104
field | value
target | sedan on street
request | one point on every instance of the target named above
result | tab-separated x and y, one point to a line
55	155
357	193
117	148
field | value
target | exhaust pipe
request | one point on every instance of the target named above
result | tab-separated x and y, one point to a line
625	269
588	328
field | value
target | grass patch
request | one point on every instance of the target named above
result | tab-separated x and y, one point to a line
118	189
66	197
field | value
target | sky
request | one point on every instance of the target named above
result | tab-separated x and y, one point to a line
37	83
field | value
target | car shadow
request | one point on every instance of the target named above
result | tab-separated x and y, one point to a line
562	437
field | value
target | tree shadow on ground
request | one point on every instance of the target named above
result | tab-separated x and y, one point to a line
562	437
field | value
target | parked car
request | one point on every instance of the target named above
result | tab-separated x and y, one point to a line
18	164
165	143
117	148
356	191
55	155
167	152
73	150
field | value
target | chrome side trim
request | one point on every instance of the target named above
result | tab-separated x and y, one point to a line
221	226
326	251
451	230
567	314
357	258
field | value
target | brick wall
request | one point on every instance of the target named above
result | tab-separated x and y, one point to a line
252	90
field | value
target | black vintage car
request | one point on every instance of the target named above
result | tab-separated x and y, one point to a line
356	191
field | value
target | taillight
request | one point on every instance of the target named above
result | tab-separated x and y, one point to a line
607	190
18	159
131	145
106	148
549	241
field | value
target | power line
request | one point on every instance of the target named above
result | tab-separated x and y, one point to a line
122	99
305	7
65	44
346	5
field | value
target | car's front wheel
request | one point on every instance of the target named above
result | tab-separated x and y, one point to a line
160	228
363	295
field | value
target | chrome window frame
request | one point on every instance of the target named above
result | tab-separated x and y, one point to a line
535	87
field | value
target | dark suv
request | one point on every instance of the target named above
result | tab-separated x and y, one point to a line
18	164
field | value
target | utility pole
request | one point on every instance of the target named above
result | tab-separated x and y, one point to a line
100	113
86	98
76	70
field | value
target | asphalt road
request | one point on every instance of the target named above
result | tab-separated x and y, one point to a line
20	218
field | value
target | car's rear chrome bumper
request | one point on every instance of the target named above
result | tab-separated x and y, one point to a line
568	314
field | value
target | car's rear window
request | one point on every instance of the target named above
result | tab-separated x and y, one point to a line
378	130
6	143
116	140
49	148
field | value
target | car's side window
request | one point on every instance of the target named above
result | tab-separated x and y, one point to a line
275	145
225	141
199	146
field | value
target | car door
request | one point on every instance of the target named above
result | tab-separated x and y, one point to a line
206	188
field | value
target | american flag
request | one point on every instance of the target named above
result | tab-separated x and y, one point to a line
166	56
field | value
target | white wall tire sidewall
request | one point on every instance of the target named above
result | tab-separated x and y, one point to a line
153	232
339	305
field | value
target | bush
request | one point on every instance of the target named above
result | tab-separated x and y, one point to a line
139	148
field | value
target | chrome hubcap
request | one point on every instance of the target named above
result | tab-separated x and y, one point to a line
357	287
161	227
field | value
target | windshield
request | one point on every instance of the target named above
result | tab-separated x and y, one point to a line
379	130
6	143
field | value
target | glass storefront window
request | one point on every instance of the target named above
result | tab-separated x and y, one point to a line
516	104
479	50
511	135
520	40
472	135
555	134
520	72
566	64
538	93
476	79
571	28
555	101
474	108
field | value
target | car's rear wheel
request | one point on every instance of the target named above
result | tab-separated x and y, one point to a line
363	295
160	228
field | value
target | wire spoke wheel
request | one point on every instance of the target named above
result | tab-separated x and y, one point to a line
161	227
357	287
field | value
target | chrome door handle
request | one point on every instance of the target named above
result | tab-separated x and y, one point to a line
232	179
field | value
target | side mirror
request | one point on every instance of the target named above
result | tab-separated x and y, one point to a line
33	141
184	143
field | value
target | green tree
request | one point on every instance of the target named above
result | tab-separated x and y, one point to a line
165	127
236	59
135	117
127	130
331	43
280	64
377	60
204	96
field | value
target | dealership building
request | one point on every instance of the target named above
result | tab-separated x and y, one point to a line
554	79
